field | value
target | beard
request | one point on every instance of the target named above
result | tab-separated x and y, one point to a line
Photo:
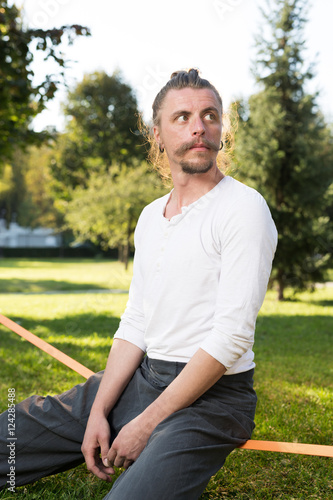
202	168
199	166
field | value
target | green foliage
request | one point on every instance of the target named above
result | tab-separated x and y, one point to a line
102	130
106	212
37	205
8	183
21	99
101	180
26	191
285	150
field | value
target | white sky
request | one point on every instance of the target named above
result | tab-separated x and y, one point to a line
149	39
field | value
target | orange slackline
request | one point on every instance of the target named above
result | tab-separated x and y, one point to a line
299	448
251	444
44	346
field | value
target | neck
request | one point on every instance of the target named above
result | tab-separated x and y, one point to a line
190	187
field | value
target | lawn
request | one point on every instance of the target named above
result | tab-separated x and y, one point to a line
294	374
48	275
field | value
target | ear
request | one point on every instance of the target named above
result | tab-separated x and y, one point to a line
157	136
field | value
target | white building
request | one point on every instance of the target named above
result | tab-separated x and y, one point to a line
23	237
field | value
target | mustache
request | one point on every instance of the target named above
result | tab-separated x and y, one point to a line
188	145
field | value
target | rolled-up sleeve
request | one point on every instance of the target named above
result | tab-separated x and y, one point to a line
248	241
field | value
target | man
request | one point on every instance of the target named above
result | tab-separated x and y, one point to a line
202	263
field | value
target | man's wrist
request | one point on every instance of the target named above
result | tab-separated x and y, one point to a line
154	414
100	410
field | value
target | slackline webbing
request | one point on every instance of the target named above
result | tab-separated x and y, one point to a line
298	448
44	346
251	444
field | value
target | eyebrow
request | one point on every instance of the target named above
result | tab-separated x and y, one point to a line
211	108
204	111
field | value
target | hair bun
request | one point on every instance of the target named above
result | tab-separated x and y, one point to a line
185	72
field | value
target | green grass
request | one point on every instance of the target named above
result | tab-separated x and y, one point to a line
80	325
294	378
35	275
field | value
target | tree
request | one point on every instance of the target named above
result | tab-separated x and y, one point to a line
20	98
284	148
101	178
26	188
12	187
7	192
106	212
102	130
37	206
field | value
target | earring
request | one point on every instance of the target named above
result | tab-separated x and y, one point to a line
221	146
161	149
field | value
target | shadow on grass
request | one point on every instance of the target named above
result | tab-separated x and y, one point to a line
299	348
85	337
13	285
31	261
323	303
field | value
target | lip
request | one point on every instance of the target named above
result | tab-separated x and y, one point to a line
200	147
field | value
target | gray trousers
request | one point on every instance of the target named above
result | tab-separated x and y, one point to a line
183	452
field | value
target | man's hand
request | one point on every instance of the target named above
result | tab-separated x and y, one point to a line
129	443
97	441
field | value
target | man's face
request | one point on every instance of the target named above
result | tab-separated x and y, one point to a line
190	129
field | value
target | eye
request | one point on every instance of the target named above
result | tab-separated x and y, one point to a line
182	118
210	117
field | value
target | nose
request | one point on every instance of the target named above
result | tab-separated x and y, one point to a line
198	127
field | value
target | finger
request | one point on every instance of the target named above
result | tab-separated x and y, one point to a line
110	457
106	462
127	463
105	448
104	473
95	465
105	468
119	461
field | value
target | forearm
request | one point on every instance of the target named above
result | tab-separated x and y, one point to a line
200	373
123	360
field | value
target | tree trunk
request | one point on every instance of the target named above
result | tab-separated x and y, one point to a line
125	256
280	281
120	253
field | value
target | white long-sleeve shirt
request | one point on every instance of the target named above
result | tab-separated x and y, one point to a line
200	278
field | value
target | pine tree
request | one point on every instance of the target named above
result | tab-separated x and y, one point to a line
284	148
